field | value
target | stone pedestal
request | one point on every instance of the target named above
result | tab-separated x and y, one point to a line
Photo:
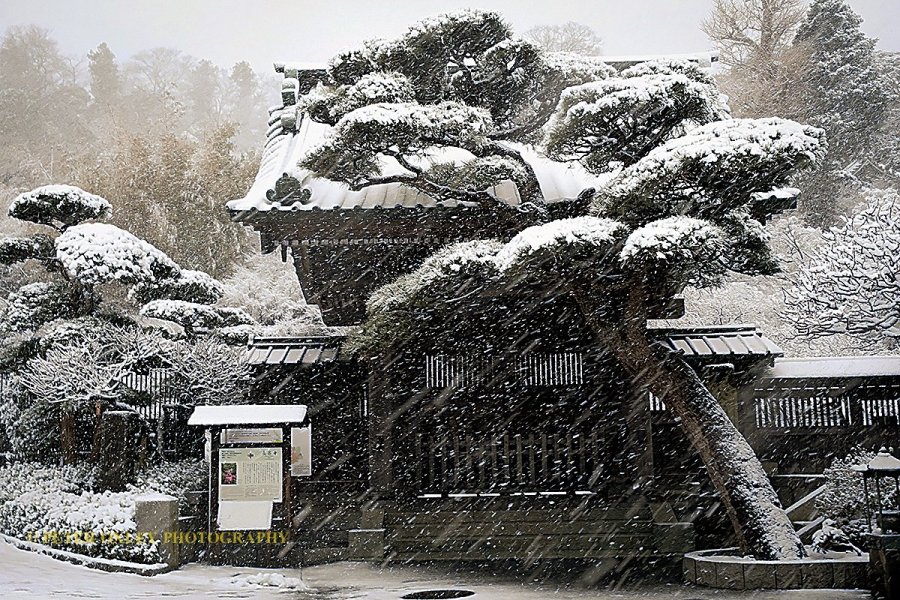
157	514
884	565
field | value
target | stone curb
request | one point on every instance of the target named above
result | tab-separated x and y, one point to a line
102	564
716	569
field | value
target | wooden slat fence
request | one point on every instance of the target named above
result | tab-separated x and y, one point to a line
156	384
532	369
460	461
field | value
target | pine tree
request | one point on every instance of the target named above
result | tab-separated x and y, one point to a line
106	85
204	93
83	262
688	204
847	94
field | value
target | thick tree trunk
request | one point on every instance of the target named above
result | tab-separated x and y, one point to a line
762	527
67	444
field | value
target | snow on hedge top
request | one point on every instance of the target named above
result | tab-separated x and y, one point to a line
98	253
64	204
553	236
667	239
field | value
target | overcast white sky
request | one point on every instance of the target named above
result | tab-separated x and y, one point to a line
263	31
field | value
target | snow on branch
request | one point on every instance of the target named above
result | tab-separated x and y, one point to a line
63	204
463	261
400	130
192	316
190	286
852	283
676	250
207	372
329	105
667	239
712	170
18	249
621	120
576	68
97	253
34	304
670	66
591	236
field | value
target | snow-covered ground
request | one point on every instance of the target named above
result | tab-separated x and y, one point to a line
29	575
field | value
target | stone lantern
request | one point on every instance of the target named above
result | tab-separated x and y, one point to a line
884	541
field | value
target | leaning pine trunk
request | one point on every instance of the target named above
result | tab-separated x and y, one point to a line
761	525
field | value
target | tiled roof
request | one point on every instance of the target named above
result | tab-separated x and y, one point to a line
292	351
291	135
699	342
718	341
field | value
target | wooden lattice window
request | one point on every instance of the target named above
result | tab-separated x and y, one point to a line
534	369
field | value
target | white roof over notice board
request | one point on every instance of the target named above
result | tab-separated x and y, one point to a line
248	414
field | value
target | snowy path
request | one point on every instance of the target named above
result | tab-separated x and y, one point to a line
29	575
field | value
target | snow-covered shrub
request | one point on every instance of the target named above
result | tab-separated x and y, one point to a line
189	286
52	506
97	253
191	315
235	335
17	249
175	478
59	204
207	371
31	426
34	304
844	499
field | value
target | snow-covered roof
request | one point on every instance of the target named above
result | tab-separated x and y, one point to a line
248	414
287	145
720	341
703	59
835	366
